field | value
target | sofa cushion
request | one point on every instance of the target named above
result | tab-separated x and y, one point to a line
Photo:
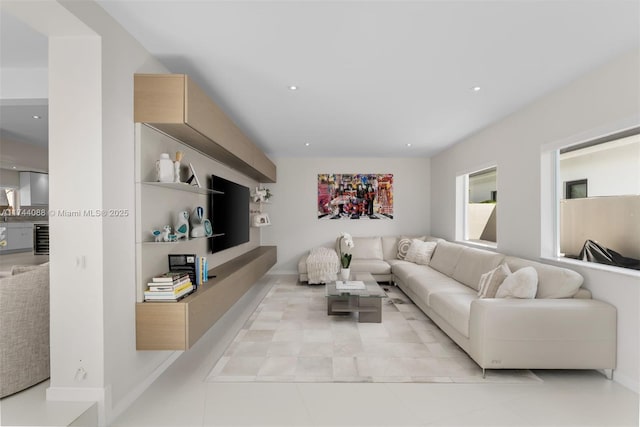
420	252
19	269
473	263
491	281
445	257
553	282
373	266
367	248
431	282
521	284
454	308
389	247
394	262
402	270
302	264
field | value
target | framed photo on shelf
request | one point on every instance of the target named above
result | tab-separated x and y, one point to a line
193	177
261	219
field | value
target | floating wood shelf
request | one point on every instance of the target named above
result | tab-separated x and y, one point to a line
178	325
175	105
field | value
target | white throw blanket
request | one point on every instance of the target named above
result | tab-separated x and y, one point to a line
322	265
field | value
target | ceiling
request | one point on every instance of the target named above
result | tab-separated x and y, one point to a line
23	138
376	78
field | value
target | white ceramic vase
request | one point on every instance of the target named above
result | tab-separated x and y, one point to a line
176	171
182	225
345	273
165	168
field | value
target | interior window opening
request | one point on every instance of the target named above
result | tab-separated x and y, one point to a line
599	205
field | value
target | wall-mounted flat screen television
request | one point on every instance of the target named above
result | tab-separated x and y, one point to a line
229	211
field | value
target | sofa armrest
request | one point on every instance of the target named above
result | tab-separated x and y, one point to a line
543	333
24	330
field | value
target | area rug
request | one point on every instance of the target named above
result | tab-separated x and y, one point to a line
290	338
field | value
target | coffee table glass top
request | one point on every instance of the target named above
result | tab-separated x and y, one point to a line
371	290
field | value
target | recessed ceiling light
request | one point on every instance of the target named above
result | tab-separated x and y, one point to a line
306	144
476	88
37	117
409	145
293	87
14	167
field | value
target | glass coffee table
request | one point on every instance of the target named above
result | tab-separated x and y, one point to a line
366	302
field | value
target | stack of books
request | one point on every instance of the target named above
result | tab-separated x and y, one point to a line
169	287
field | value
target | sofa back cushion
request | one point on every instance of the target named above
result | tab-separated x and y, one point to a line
445	257
389	247
367	248
473	263
553	282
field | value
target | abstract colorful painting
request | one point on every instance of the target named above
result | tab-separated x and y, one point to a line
355	196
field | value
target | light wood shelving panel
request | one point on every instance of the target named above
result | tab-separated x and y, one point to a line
178	325
175	105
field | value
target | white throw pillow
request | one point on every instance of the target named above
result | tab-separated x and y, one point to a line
420	252
491	281
521	284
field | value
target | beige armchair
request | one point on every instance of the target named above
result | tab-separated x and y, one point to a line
24	328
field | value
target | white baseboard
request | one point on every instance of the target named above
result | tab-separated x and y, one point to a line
206	351
99	395
140	388
628	382
283	271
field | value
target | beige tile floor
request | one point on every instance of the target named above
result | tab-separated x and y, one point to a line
181	398
563	398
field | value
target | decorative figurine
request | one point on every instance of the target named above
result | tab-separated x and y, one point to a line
200	226
176	166
157	235
197	215
182	225
208	228
262	195
165	168
166	233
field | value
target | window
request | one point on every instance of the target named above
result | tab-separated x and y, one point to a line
477	197
8	200
599	209
575	189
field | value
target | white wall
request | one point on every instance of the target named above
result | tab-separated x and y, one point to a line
293	213
604	99
9	178
91	64
23	83
609	172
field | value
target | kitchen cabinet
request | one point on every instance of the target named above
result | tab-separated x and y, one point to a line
19	237
34	189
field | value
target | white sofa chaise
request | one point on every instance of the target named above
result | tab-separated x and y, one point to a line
561	328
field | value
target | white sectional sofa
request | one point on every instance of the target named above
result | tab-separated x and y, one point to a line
561	328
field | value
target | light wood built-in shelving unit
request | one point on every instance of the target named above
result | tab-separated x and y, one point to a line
174	105
178	325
